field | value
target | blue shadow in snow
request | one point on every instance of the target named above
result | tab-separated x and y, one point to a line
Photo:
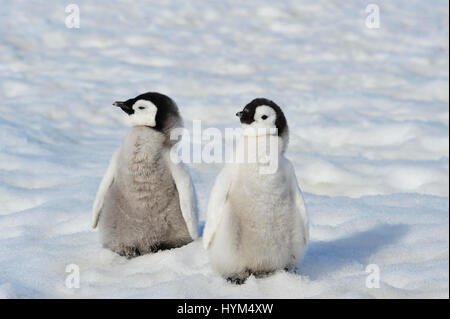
325	257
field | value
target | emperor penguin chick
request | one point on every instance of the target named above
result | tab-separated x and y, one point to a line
257	221
146	200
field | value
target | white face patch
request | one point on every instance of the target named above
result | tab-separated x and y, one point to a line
144	113
264	118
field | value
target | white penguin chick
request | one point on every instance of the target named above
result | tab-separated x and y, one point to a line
145	201
256	221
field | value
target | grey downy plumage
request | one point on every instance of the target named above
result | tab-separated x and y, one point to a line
141	211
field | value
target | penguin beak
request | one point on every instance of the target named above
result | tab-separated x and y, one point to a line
244	117
124	107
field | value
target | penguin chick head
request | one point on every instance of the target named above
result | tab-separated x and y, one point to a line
265	114
152	109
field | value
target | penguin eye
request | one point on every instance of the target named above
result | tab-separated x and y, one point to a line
141	107
264	117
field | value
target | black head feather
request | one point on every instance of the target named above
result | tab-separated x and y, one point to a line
167	115
248	113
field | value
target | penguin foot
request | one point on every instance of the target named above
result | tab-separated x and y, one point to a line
236	280
262	274
129	252
240	279
291	269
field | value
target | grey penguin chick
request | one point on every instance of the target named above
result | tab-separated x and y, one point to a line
146	200
257	221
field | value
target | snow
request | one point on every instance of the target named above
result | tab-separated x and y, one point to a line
369	124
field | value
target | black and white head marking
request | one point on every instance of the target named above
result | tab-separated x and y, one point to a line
152	109
264	113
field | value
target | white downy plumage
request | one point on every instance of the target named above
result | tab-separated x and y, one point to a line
256	222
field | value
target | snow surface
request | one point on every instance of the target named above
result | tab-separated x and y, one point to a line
368	115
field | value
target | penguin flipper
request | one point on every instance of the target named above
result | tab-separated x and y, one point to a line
216	204
301	221
106	182
186	194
